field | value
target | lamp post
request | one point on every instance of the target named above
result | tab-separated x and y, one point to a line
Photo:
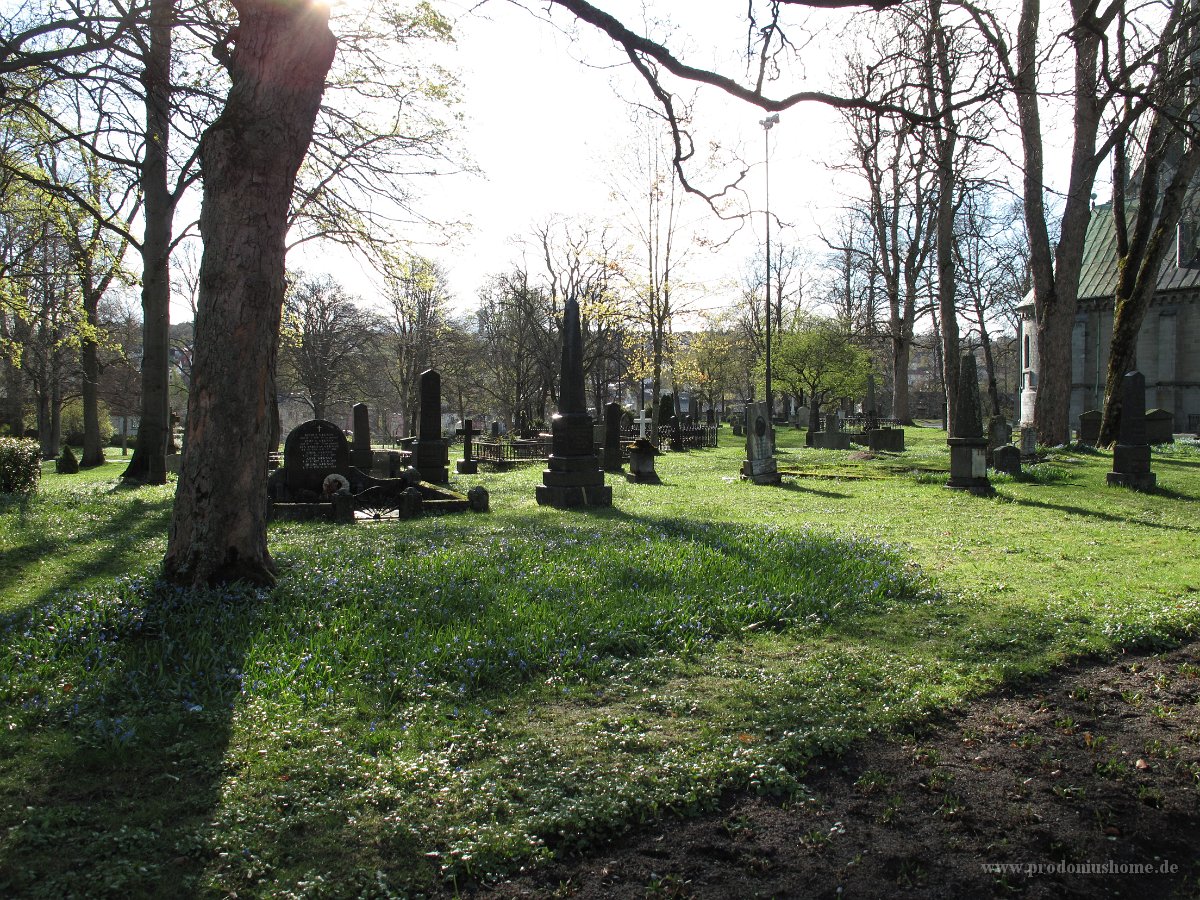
766	124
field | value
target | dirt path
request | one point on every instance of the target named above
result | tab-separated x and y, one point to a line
1019	794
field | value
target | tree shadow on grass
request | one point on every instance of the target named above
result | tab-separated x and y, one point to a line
796	488
1095	513
119	709
111	543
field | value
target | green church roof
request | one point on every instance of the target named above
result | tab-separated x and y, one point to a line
1098	276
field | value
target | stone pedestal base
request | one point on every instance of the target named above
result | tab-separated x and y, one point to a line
432	460
573	481
968	466
1131	467
887	440
466	467
1146	482
760	471
641	465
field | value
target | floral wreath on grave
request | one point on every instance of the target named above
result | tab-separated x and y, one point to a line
643	445
335	484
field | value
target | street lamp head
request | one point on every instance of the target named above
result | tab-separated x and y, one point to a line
769	121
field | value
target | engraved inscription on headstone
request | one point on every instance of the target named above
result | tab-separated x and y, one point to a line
318	450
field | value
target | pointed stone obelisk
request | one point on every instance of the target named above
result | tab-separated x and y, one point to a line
573	476
1131	455
968	446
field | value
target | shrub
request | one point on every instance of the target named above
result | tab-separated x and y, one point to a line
20	466
67	463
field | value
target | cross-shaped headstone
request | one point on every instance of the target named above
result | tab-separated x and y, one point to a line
642	421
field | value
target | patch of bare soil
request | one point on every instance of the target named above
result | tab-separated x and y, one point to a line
1082	784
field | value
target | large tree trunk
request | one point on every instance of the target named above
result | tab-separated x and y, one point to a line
93	449
945	140
1055	272
149	462
901	362
282	51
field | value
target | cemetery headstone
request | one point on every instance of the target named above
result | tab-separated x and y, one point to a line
999	433
1131	455
1007	459
886	440
468	465
612	437
573	476
313	450
968	446
431	452
1028	441
710	417
495	430
641	461
759	465
360	452
1160	427
1089	427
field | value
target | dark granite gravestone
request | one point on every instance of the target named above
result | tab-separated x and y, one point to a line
886	440
612	437
1160	427
1131	455
710	417
360	451
999	433
1089	427
759	465
312	451
1007	459
431	452
573	476
468	465
495	430
968	446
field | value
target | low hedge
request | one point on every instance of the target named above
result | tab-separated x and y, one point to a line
20	466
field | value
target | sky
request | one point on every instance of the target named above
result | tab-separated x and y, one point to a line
547	119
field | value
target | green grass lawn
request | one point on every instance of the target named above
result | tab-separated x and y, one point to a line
426	703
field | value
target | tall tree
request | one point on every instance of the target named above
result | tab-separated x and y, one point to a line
1164	184
417	293
324	343
280	54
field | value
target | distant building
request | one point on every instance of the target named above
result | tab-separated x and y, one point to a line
1168	349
